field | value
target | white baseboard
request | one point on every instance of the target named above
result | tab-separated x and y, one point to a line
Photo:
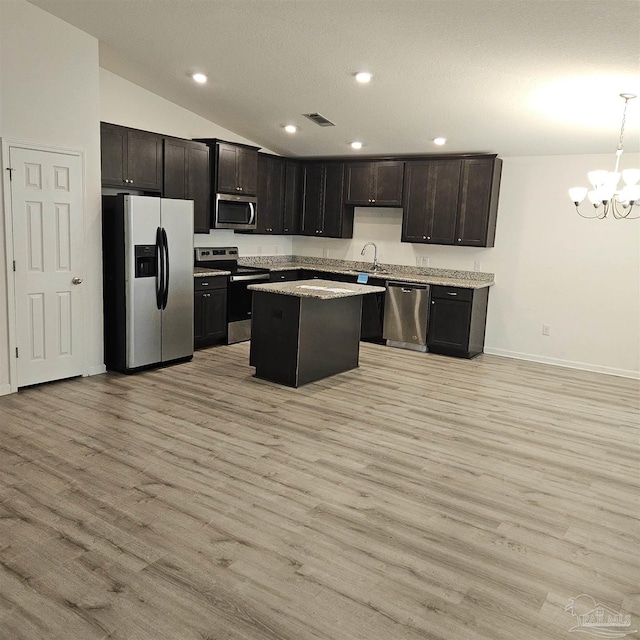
584	366
5	389
95	371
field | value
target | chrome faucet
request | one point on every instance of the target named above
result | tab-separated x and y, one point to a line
375	254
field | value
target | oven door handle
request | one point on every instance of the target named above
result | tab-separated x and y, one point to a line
262	276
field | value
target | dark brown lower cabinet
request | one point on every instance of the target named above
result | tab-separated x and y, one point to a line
210	311
457	319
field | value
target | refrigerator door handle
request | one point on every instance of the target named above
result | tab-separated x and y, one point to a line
160	269
165	294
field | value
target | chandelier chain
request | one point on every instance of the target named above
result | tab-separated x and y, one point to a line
624	120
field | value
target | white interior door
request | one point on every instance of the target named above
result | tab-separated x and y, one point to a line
46	205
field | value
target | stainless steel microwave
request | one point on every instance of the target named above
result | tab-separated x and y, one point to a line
235	212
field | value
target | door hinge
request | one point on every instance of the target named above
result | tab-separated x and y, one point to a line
16	352
10	170
14	265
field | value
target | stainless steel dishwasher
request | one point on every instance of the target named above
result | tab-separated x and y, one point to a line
406	311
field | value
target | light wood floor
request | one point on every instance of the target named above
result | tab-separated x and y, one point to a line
417	497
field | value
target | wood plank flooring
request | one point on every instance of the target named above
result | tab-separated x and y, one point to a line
417	497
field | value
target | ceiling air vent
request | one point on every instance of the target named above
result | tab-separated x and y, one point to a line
321	121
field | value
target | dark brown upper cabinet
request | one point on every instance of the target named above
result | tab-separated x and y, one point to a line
478	208
131	158
431	201
186	176
451	201
271	183
292	206
236	169
323	210
376	183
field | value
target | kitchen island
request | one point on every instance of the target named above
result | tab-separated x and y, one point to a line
305	330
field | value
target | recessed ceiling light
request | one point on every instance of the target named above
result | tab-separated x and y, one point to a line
199	77
290	128
363	77
356	145
439	141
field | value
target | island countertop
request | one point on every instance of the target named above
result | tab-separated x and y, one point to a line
321	289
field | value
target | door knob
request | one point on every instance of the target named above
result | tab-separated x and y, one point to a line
76	280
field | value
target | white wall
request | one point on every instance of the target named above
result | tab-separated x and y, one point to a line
582	277
127	104
50	95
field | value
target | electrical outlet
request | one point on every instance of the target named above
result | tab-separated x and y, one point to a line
426	260
546	329
277	250
325	253
418	261
259	250
477	265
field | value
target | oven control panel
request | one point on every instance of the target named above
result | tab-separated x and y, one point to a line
208	254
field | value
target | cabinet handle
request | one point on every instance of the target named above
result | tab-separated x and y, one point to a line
131	181
204	284
459	239
451	293
428	237
373	200
286	229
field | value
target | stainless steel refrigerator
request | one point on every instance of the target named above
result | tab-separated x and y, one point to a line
147	255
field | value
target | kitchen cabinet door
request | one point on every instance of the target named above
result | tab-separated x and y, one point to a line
359	183
130	158
457	321
270	194
198	186
236	169
210	310
334	216
292	205
186	176
313	181
323	212
374	183
388	183
479	191
144	160
431	201
113	154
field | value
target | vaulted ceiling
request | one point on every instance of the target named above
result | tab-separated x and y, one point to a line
514	77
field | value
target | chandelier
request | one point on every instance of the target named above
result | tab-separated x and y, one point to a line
606	196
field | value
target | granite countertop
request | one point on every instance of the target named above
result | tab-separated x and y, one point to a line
401	273
322	289
205	272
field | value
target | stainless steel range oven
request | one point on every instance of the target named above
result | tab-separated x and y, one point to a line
238	296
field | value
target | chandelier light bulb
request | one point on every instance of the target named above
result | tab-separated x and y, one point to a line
363	77
578	194
631	176
290	128
200	78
